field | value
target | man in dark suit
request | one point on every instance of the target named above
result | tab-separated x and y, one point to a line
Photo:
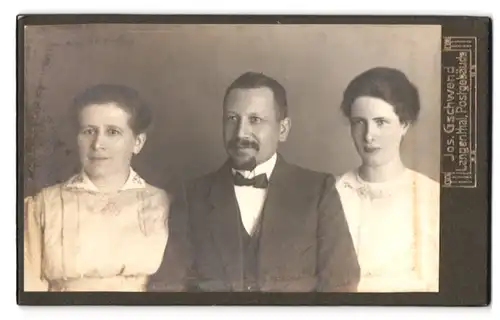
260	223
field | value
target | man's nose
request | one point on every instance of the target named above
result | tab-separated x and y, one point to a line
243	128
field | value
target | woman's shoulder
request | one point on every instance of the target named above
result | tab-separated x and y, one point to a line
46	201
156	191
158	195
70	184
428	193
48	193
423	181
346	180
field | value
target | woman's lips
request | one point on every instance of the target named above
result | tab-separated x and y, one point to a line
98	158
371	149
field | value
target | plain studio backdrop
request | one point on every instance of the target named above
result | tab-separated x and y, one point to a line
183	71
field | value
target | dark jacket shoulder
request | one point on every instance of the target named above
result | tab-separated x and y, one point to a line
310	182
308	175
201	185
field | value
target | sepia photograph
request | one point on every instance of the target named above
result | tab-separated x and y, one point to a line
241	158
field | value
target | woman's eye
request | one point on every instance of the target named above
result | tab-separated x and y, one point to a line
113	132
88	131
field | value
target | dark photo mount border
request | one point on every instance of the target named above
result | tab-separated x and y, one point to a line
465	258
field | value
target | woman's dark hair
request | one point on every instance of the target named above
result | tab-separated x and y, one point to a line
388	84
255	80
125	97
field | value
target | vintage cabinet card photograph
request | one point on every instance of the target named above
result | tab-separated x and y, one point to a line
254	160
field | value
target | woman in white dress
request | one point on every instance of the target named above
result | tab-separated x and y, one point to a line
392	211
104	229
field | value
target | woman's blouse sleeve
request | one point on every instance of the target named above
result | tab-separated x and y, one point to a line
33	235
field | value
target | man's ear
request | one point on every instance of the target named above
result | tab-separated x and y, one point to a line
285	127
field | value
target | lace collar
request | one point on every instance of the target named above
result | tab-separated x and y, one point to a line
377	190
81	181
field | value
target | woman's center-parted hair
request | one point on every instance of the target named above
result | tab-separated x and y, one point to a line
388	84
124	97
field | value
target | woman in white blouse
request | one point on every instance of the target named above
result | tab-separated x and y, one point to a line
392	211
104	229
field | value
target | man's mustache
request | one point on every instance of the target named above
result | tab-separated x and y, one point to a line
243	143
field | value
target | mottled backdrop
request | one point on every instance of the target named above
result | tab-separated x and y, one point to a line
183	70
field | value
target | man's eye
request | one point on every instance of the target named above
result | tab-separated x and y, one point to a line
255	119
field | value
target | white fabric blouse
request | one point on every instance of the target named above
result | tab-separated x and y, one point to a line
395	230
79	239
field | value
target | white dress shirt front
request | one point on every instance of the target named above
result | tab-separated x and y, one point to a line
251	199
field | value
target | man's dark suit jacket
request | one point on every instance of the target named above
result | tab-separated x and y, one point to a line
304	243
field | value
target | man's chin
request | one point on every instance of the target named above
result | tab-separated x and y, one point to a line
246	163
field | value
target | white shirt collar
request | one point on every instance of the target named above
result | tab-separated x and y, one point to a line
83	182
266	167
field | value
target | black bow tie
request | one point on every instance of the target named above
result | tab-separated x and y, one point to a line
259	181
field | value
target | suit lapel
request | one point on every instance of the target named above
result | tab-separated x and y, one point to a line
277	228
224	223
